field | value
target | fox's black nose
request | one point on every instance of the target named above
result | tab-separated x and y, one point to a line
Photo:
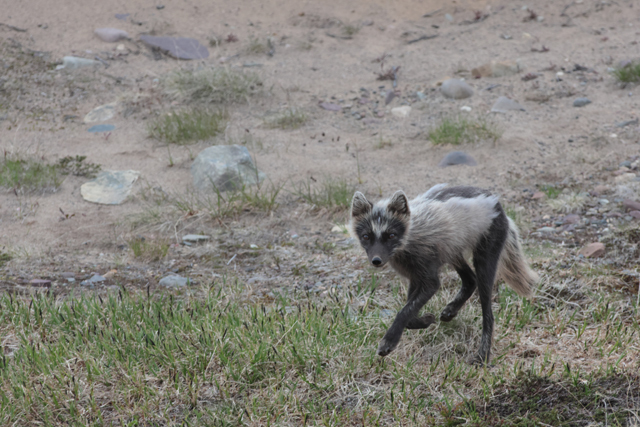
376	261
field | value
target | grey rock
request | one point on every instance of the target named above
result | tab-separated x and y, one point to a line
504	105
546	230
74	62
633	122
109	187
581	102
456	89
457	158
174	281
122	16
96	278
101	113
195	238
177	47
626	164
101	128
224	167
111	35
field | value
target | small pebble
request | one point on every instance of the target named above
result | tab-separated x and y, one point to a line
581	102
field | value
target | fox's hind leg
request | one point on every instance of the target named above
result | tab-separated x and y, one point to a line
485	261
468	278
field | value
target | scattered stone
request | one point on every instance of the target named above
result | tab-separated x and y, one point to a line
546	230
122	16
497	69
174	281
329	106
581	102
448	17
631	205
160	7
195	238
68	275
592	250
625	177
538	195
111	35
504	105
571	219
401	111
74	62
101	128
601	189
457	158
224	167
96	278
633	122
177	47
40	283
635	214
109	187
101	113
456	89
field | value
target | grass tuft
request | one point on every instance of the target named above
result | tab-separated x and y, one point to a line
183	127
291	118
29	175
568	203
462	129
213	86
149	250
77	167
628	74
331	193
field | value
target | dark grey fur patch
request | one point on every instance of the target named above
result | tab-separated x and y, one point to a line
465	192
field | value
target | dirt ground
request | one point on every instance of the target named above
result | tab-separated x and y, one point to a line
568	48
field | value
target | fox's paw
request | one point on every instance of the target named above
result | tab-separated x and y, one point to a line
448	313
387	346
421	322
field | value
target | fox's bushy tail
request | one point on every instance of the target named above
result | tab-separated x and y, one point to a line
513	268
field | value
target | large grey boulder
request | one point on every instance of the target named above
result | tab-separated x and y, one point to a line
109	187
224	168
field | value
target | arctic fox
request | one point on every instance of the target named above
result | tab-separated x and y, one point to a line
442	226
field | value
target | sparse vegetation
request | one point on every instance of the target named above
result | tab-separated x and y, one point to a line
330	193
151	250
76	166
628	74
551	191
569	202
291	118
462	129
29	175
186	126
257	47
213	86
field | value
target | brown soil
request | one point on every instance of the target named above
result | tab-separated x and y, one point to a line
551	142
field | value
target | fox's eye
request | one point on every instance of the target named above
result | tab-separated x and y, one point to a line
365	237
392	236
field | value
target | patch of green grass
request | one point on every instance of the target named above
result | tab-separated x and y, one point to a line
551	191
152	250
462	129
628	74
257	47
182	127
29	175
578	399
330	193
213	86
350	30
291	118
4	258
76	166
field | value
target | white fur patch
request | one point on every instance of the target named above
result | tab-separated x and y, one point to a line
433	191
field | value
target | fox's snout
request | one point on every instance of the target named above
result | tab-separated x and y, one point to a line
376	261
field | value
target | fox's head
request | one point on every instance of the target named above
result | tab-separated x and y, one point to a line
382	228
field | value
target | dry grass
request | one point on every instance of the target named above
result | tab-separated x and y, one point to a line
213	86
188	126
568	203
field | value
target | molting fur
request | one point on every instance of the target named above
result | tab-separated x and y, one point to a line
442	226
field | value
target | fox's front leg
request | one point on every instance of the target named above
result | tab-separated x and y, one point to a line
421	289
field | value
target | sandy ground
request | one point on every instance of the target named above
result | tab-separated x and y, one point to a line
570	48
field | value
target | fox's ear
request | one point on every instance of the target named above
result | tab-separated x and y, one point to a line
399	203
360	205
